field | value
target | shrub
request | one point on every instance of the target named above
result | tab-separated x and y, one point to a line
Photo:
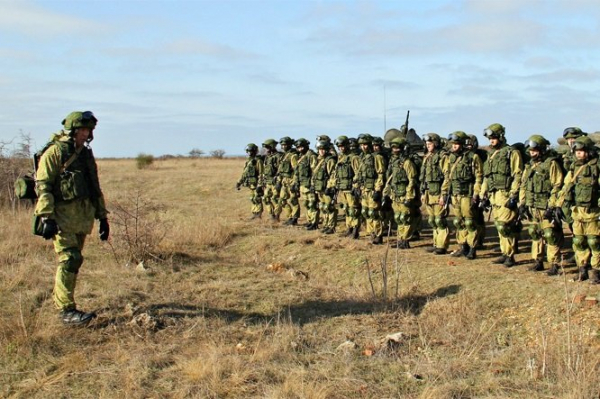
196	153
217	154
143	161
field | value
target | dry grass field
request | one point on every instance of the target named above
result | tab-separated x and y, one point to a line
227	307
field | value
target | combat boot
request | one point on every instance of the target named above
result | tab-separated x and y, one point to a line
291	222
583	274
510	261
500	260
406	244
416	236
349	232
74	317
328	230
595	277
275	218
554	270
255	216
537	266
312	226
356	233
472	254
440	251
378	240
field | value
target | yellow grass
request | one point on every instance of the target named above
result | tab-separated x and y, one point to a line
231	308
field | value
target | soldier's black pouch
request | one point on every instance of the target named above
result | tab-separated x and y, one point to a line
37	225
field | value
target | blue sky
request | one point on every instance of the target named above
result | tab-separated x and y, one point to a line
164	77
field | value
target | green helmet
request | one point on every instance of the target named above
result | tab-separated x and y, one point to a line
472	141
79	119
269	143
302	143
323	145
352	142
398	142
377	141
342	141
457	137
323	137
495	130
583	143
251	148
573	133
365	138
433	137
537	142
286	140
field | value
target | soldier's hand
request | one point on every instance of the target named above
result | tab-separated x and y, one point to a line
548	214
441	201
311	189
408	202
523	212
475	200
330	191
559	215
512	203
294	188
376	196
49	228
356	192
278	186
238	186
104	230
260	191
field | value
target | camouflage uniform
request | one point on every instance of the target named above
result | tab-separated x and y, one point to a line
252	178
433	172
271	164
402	183
463	181
303	172
370	180
323	170
540	185
582	189
69	199
502	179
343	181
288	199
472	144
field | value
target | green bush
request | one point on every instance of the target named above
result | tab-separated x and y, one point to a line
144	160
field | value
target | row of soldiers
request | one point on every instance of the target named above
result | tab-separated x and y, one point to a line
383	188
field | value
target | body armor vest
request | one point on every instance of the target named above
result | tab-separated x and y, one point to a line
271	165
78	180
497	170
303	169
433	176
250	175
321	174
285	166
344	172
399	180
586	190
366	173
538	185
462	178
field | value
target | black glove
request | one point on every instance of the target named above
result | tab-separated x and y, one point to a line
278	187
548	214
104	230
356	192
311	189
559	214
524	212
260	191
238	186
475	200
376	196
49	228
512	203
294	188
485	204
408	202
330	191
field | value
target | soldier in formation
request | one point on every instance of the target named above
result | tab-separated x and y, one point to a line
252	177
270	167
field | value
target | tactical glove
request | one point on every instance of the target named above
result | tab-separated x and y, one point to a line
408	202
278	187
104	230
512	203
260	191
376	196
294	188
49	228
330	191
311	189
559	215
524	213
548	214
238	185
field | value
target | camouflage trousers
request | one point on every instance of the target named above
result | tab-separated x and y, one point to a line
351	206
68	247
437	219
464	220
328	210
256	201
371	212
545	235
288	200
586	236
505	221
308	198
270	198
403	216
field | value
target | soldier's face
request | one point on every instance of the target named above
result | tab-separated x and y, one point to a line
581	155
456	147
430	146
342	148
494	141
285	147
364	147
322	152
396	150
376	147
534	154
81	136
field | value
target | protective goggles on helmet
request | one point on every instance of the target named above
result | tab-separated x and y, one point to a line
429	137
534	145
573	132
489	133
455	138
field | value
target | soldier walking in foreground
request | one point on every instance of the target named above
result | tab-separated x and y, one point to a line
271	164
582	189
463	183
343	181
502	178
69	199
541	183
402	184
252	178
288	199
433	171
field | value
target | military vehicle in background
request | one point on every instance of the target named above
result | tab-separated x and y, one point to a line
416	143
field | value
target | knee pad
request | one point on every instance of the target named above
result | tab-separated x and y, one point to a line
441	222
594	243
74	260
323	207
534	232
550	236
371	213
294	201
405	219
503	229
431	221
458	223
579	243
365	213
470	224
398	217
